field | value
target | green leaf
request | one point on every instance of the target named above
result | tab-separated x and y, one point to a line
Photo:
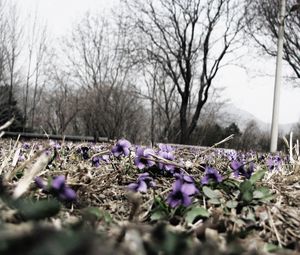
258	194
257	176
196	212
94	214
159	209
211	193
38	210
247	196
269	247
107	217
214	201
246	189
245	186
173	243
267	198
158	215
231	183
159	202
232	204
262	194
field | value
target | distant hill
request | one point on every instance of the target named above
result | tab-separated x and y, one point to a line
287	128
230	113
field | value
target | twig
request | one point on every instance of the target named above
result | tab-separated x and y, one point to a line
15	170
7	124
29	175
100	153
5	161
45	132
164	161
215	145
291	148
274	228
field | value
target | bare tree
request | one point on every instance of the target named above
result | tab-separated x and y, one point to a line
189	39
211	116
39	71
36	39
2	43
263	23
19	71
60	103
161	92
99	65
12	49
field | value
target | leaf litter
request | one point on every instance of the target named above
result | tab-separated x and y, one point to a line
259	215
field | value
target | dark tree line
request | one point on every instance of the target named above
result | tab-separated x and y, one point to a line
251	138
9	109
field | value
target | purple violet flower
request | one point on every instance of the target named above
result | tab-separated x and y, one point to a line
178	195
105	158
26	146
144	158
121	148
168	156
64	192
21	157
144	182
231	154
242	169
84	151
58	188
211	174
58	182
97	160
188	183
273	163
67	194
165	147
54	144
39	182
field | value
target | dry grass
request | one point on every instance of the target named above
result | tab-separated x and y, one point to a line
105	187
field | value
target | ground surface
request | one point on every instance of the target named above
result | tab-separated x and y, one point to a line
242	213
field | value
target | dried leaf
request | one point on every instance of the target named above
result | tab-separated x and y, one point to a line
29	175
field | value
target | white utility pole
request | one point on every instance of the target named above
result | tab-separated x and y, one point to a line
278	78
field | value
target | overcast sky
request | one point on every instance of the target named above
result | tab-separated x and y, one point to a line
246	89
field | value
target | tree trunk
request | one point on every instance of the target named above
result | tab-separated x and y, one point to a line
184	138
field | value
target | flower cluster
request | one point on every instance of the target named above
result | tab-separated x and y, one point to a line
166	152
57	188
97	160
144	158
242	169
274	162
183	190
84	151
230	154
211	174
26	146
143	182
21	157
122	148
54	145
